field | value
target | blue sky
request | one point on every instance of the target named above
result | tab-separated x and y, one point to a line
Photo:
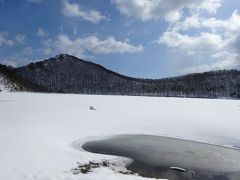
140	38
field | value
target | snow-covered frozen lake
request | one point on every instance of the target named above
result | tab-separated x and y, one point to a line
39	132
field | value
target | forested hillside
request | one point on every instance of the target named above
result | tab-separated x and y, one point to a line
68	74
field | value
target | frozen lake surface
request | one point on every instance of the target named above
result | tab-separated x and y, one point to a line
39	133
171	158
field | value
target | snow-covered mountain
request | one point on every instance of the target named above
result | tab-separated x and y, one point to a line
68	74
6	84
3	83
9	81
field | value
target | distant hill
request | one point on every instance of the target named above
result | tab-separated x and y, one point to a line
9	81
68	74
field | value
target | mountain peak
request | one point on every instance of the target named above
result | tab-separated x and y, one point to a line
62	56
66	57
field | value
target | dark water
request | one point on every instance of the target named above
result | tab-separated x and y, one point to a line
170	158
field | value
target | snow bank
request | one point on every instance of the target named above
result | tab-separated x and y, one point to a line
37	131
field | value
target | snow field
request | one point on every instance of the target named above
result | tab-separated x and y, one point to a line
38	132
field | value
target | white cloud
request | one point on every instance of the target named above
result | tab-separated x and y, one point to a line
230	25
210	6
19	58
41	33
219	51
90	44
8	62
169	10
229	62
16	59
74	10
4	41
214	44
27	51
20	38
205	43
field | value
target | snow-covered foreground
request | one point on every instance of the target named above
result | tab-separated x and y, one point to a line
38	131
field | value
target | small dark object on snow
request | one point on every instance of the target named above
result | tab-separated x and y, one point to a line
92	108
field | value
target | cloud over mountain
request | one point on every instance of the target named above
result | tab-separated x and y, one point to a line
90	44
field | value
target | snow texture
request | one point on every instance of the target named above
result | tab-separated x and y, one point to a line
40	134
